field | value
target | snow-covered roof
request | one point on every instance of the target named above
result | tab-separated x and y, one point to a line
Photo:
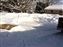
54	7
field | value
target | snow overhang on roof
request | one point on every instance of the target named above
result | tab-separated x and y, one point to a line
54	9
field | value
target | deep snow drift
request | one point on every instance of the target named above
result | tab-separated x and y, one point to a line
25	21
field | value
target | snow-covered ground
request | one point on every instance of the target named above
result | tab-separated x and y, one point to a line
25	21
32	30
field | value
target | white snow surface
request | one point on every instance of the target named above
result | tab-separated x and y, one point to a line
25	21
54	7
45	35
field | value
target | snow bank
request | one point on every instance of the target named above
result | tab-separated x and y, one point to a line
25	21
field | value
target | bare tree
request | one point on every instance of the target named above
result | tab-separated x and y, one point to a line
16	5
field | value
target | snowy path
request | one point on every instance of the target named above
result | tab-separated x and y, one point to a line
40	36
33	38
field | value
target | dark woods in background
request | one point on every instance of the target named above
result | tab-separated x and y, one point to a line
22	6
40	7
